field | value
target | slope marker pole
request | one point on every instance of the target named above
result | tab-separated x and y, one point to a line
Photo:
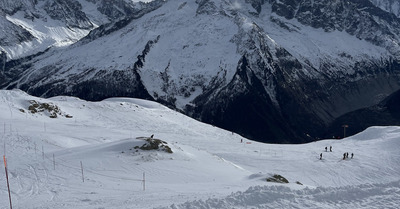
83	179
144	181
8	184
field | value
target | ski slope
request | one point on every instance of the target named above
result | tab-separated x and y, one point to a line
209	167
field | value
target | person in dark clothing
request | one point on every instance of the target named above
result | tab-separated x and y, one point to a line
344	156
152	136
326	149
352	154
320	156
347	155
330	148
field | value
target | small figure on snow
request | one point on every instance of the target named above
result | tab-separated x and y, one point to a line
352	155
326	149
320	156
330	148
344	156
152	136
241	140
347	155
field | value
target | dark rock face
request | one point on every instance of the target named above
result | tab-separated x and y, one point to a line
106	85
244	98
69	11
114	9
11	33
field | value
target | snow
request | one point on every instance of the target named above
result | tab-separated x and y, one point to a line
209	167
47	33
318	46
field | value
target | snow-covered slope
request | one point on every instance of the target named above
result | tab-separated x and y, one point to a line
209	167
296	65
34	26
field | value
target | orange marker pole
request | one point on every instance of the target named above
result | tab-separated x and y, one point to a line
8	185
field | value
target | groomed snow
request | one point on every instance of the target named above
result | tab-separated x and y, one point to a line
209	167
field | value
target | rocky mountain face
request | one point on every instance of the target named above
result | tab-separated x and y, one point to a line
391	6
282	71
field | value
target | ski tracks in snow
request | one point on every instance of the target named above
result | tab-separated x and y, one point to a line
263	197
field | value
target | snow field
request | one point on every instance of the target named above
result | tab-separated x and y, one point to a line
209	167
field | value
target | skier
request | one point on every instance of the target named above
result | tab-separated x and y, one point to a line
330	148
347	155
326	149
344	156
352	155
320	156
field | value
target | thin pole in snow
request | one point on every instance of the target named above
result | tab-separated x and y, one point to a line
83	179
8	184
344	130
144	181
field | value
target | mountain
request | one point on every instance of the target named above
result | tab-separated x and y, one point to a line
391	6
386	112
64	152
275	71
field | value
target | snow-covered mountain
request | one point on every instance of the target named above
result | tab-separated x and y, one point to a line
64	152
294	66
391	6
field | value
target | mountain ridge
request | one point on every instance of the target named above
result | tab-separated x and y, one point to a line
302	66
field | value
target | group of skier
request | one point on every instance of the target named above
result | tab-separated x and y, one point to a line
345	155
